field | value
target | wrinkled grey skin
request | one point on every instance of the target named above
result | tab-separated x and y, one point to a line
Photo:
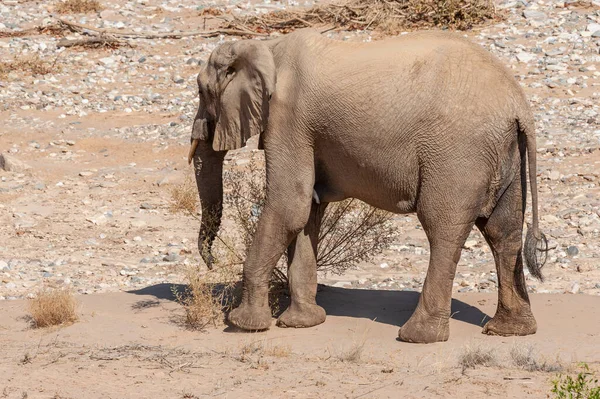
427	123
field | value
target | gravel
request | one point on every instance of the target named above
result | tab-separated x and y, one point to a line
98	143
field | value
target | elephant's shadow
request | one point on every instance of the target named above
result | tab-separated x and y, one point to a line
384	306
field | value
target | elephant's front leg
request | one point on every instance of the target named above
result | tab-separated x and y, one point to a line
302	275
286	212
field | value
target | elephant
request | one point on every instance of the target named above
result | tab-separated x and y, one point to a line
427	123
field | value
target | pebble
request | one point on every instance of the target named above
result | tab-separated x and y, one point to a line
572	250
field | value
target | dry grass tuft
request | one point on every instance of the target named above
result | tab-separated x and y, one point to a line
525	357
53	308
389	17
475	356
353	354
78	6
278	351
33	65
184	198
208	297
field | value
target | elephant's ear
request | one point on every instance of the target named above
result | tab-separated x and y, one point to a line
248	83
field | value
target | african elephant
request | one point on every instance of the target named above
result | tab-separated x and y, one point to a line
427	122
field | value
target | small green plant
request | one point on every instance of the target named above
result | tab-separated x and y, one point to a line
583	386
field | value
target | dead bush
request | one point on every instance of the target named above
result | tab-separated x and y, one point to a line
78	6
33	65
525	357
52	308
208	297
351	231
389	17
475	356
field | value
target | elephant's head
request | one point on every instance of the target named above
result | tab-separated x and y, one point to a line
235	87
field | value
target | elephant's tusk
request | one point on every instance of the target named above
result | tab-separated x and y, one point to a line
192	150
316	196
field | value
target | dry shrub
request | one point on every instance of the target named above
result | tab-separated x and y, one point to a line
525	357
78	6
50	29
352	354
53	308
475	356
386	16
184	198
208	297
351	231
33	65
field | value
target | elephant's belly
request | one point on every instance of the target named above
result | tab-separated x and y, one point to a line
393	195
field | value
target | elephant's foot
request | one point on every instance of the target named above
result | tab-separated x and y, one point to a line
507	324
302	315
424	329
250	318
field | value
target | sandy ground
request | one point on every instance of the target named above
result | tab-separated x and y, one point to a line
131	345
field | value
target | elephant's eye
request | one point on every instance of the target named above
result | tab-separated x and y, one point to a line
230	71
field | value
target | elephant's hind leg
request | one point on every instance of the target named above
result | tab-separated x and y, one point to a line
447	229
503	231
302	274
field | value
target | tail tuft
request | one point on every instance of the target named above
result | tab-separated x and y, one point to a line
535	246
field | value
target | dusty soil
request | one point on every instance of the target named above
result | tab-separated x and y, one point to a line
129	345
103	139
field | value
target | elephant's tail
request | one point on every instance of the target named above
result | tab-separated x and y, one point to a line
536	243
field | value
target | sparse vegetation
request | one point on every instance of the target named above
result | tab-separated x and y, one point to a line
352	354
33	65
53	308
78	6
524	357
474	356
351	232
208	297
583	386
387	17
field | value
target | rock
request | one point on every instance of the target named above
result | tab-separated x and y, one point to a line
138	223
535	15
470	244
526	57
575	288
572	250
85	174
172	257
342	284
99	219
554	175
585	268
4	266
163	181
11	164
550	218
178	80
384	265
593	28
107	61
145	205
39	186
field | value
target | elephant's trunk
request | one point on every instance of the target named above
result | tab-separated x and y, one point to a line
208	166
